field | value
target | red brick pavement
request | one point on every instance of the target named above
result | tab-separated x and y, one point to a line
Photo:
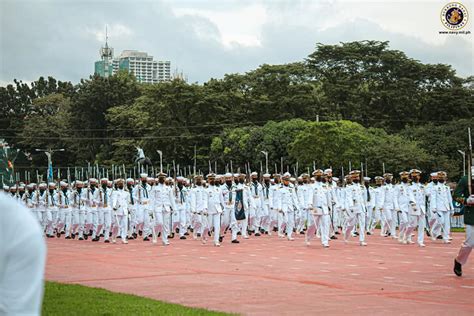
266	275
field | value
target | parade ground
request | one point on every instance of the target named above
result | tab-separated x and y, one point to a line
267	275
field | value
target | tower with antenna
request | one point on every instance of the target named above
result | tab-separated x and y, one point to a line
103	67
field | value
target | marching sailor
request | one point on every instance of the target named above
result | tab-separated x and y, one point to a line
215	205
355	207
141	194
120	201
256	201
441	205
163	202
417	216
198	206
318	205
404	203
287	204
228	216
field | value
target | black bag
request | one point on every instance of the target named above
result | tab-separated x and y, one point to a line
240	214
239	207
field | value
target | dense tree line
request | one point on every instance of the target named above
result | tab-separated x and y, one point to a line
353	102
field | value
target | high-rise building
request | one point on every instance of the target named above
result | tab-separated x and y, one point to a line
142	66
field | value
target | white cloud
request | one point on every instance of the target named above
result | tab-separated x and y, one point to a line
115	30
240	26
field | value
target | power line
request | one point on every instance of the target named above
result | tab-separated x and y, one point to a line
115	138
327	118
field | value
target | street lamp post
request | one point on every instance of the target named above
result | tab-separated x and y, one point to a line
49	152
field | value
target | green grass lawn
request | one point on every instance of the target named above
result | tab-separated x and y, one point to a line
69	299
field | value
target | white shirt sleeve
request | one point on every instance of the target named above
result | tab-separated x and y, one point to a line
22	260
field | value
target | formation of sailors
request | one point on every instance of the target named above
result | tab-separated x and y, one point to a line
243	206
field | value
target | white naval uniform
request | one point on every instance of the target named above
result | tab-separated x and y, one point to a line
369	200
180	214
404	201
389	211
103	199
212	217
78	211
319	201
162	204
198	201
441	204
141	194
40	206
287	205
355	210
92	214
305	199
378	214
265	211
276	218
228	219
120	201
418	219
254	212
64	212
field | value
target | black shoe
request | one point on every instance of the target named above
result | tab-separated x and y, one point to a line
239	233
262	231
182	237
356	233
171	236
192	230
101	235
428	233
146	238
266	233
457	268
134	235
198	235
235	241
369	233
140	232
85	237
106	241
209	233
119	236
221	238
95	239
58	235
81	238
389	234
177	230
302	232
333	237
275	229
250	232
257	235
159	235
68	237
439	237
186	234
131	238
337	233
73	236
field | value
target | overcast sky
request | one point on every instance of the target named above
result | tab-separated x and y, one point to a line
207	39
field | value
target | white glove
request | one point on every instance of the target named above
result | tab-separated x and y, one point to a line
470	200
